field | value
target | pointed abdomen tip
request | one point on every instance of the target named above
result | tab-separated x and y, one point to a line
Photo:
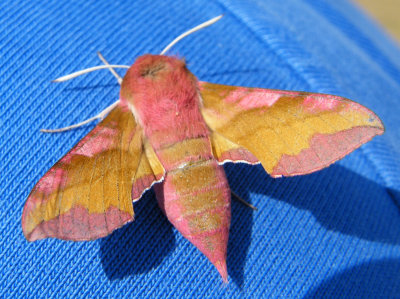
221	267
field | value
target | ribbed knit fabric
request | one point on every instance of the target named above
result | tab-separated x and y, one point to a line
330	234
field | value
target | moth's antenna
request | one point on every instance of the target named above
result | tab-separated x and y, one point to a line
183	35
91	69
109	67
101	115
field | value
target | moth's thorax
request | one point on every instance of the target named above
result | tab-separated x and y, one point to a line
163	95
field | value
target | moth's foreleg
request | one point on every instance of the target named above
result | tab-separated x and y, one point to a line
243	201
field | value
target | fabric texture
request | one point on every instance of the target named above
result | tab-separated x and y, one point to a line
329	234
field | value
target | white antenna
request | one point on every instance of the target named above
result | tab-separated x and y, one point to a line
100	116
91	69
119	79
103	113
197	28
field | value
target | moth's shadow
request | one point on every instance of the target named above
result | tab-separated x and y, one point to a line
340	199
91	87
239	240
139	246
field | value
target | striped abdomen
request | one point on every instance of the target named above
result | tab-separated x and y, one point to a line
195	197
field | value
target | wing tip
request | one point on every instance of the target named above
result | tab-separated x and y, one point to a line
375	118
24	222
381	127
34	235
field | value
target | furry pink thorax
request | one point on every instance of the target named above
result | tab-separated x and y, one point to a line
163	95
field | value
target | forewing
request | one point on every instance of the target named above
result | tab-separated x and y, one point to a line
87	194
291	133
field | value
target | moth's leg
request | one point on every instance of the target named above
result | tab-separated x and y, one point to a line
111	69
243	201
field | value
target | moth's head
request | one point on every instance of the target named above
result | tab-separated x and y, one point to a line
153	77
150	68
156	77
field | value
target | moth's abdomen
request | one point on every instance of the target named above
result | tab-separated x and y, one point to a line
195	197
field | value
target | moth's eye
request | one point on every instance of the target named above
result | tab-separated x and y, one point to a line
151	70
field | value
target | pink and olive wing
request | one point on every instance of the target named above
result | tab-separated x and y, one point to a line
225	150
87	194
291	133
149	172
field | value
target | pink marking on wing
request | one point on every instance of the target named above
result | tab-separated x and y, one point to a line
238	155
250	98
315	103
141	184
100	143
79	225
318	102
329	147
51	181
100	139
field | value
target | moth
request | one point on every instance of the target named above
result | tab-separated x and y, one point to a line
170	130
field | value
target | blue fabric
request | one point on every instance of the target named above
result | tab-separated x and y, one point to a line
332	233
